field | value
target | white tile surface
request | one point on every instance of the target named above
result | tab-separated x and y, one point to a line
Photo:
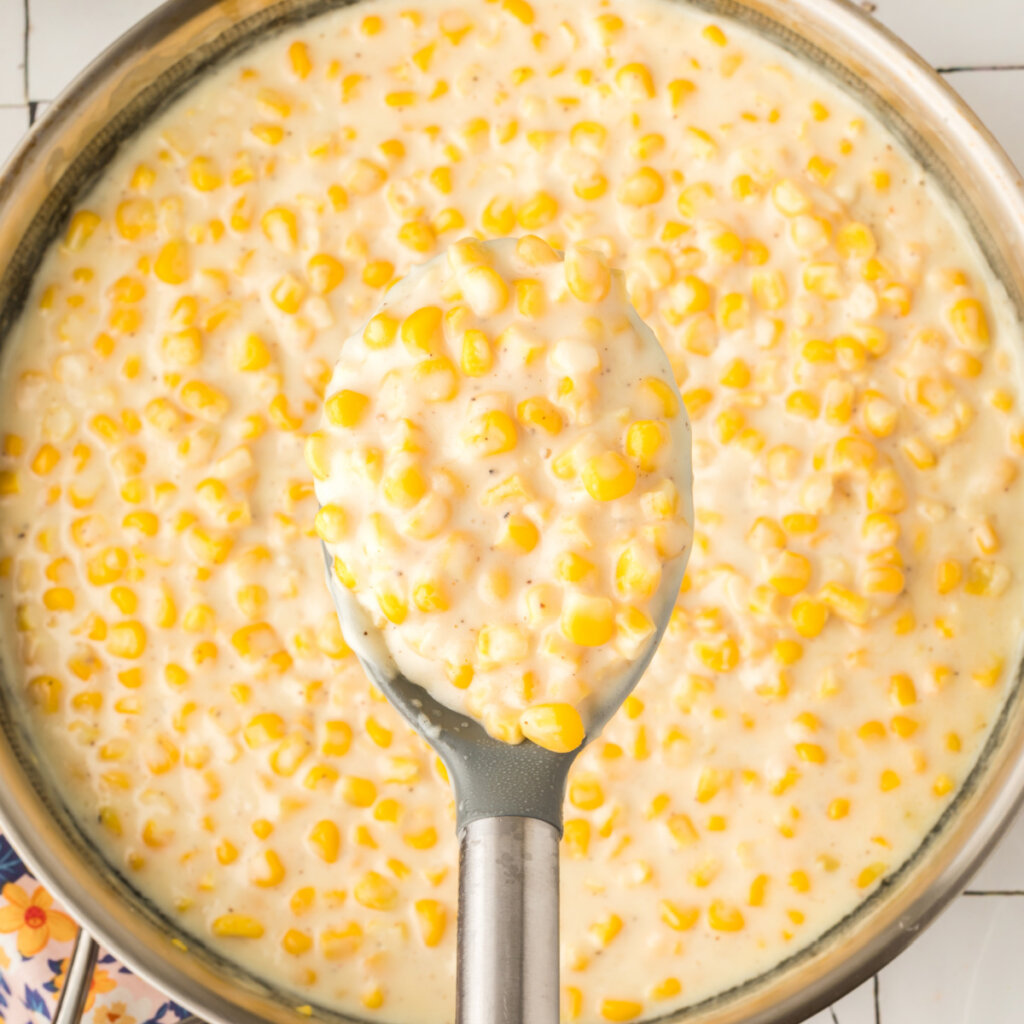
995	96
12	51
64	35
13	124
1004	869
959	33
856	1008
964	969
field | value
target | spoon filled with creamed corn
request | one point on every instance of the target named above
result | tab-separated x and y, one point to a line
504	477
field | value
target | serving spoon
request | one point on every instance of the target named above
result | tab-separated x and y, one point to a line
508	800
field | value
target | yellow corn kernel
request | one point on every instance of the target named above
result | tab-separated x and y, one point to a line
813	753
518	534
430	596
724	917
571	567
274	871
554	726
404	484
45	692
839	808
663	395
485	290
885	491
358	792
172	264
848	605
476	358
288	294
635	81
135	217
262	729
392	606
436	378
432	920
237	926
126	639
733	311
888	780
587	274
620	1010
808	616
331	523
970	324
45	460
227	852
637	571
344	574
326	840
538	211
325	273
251	353
375	892
299	59
645	439
641	188
902	691
787	652
520	10
678	918
588	621
80	229
789	199
380	332
492	433
884	580
608	476
295	943
183	348
346	408
204	401
985	577
791	572
421	331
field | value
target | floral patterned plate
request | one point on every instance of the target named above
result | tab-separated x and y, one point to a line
36	937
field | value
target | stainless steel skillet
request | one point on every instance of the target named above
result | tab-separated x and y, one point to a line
154	62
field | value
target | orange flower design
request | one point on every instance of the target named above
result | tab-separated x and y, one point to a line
115	1013
101	982
33	919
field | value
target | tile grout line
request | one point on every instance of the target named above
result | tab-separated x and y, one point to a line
24	55
957	68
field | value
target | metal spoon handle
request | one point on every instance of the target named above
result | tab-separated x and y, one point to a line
508	922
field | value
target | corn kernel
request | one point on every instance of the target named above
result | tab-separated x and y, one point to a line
588	621
608	476
346	408
555	726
